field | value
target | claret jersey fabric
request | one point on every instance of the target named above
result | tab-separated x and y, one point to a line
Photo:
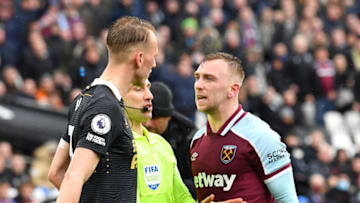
238	160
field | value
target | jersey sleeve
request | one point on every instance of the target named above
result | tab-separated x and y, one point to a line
66	136
282	187
181	192
270	155
98	125
273	153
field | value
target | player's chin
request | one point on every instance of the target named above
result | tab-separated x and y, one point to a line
201	108
146	116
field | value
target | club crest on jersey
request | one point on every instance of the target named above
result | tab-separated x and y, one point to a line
101	124
227	153
152	176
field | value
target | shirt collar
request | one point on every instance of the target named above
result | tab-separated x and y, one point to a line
146	134
111	86
234	118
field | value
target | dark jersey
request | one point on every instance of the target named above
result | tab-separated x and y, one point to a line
97	122
238	160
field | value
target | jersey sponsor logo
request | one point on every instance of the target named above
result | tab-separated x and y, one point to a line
101	124
214	180
276	155
152	176
228	153
95	139
193	156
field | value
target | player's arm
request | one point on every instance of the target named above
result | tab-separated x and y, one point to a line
282	186
80	169
61	159
277	172
59	164
181	193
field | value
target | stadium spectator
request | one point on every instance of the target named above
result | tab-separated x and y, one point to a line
6	152
47	94
36	58
2	89
26	193
12	80
18	171
4	192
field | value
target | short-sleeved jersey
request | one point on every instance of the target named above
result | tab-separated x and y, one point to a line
97	122
158	177
238	159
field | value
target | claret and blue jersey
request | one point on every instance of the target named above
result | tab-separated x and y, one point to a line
238	160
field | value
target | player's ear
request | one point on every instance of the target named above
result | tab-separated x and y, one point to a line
234	90
139	58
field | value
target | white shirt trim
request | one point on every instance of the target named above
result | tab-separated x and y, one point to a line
231	123
113	88
278	175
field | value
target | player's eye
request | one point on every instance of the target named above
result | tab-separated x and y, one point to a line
209	77
196	77
137	88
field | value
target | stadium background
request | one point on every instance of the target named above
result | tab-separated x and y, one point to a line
301	58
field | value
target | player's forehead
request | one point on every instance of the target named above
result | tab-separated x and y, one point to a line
214	67
153	42
145	84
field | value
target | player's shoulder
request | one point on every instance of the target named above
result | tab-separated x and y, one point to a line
199	133
102	101
265	141
158	138
252	127
101	95
163	144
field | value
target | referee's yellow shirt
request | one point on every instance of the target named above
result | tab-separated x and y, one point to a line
158	179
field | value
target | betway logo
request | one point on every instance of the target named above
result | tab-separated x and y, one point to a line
214	180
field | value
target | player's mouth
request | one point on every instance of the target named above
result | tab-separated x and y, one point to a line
201	98
149	107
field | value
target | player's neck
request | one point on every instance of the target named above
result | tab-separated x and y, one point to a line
221	115
137	127
119	76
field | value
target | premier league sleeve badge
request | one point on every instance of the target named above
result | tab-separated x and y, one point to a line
101	124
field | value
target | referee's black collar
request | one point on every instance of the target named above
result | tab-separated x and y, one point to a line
111	86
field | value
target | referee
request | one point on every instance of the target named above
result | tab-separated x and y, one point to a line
96	158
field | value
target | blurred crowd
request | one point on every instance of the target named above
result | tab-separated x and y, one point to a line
301	59
24	179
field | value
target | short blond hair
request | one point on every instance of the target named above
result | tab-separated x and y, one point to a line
234	62
126	32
